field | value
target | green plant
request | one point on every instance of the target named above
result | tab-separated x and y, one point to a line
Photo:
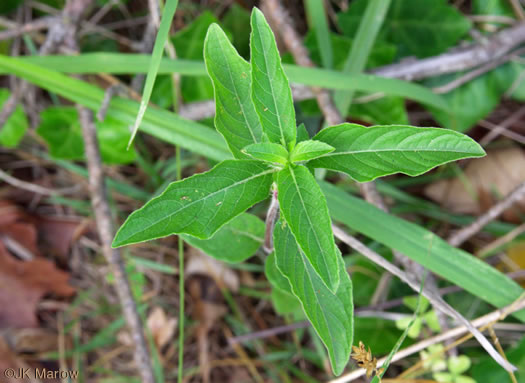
255	115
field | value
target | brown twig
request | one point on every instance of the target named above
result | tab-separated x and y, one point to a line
469	76
502	128
495	211
472	56
16	29
105	232
7	178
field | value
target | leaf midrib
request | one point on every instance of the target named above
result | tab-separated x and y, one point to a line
394	150
204	199
283	140
241	105
309	220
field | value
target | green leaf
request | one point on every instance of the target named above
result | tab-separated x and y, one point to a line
156	57
367	153
285	303
424	247
199	205
235	242
271	93
308	150
302	133
383	111
282	297
474	100
190	44
267	151
16	125
416	27
443	377
60	128
458	364
274	275
493	8
331	314
425	28
235	117
382	53
236	20
304	207
9	5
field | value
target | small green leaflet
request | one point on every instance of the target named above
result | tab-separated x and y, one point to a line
235	116
308	150
368	153
235	242
16	125
60	128
331	314
304	208
267	151
199	205
271	93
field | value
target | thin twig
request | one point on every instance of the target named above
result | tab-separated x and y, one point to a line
501	129
486	250
434	298
105	232
518	9
458	59
450	334
15	29
34	188
469	76
494	212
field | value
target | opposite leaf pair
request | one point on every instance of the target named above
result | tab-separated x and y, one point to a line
255	114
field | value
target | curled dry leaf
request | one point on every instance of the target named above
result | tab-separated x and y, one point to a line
201	264
23	284
490	178
161	327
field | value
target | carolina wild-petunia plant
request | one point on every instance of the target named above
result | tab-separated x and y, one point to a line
255	114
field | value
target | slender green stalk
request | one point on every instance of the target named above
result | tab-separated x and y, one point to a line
181	284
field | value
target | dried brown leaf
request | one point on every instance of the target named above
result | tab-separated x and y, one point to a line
23	284
161	327
500	172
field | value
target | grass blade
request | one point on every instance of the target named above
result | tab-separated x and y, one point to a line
361	47
131	63
318	21
158	49
162	124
